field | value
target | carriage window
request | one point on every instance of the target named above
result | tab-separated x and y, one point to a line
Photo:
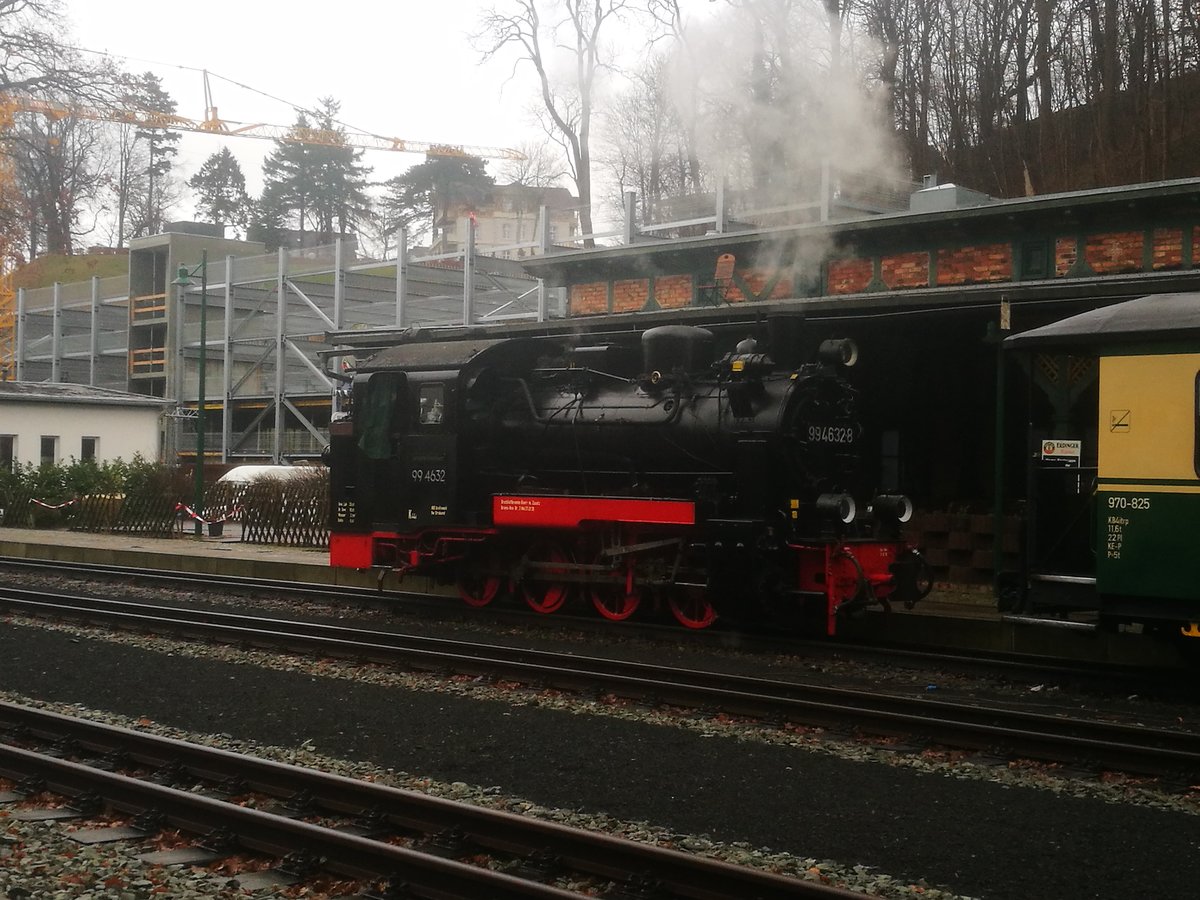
432	404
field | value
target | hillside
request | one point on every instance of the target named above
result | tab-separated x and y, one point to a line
46	270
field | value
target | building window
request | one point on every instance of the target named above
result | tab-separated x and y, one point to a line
1034	259
553	231
87	448
506	231
49	449
8	452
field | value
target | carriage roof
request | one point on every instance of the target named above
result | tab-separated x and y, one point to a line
1158	317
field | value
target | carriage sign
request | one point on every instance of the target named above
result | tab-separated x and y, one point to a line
1063	454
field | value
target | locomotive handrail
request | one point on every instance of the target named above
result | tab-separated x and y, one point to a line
586	370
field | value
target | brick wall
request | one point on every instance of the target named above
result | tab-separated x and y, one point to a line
1109	254
631	295
673	291
1167	252
1065	254
1105	253
905	270
849	276
975	265
589	299
756	280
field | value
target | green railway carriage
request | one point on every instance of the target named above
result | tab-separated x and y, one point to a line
1134	517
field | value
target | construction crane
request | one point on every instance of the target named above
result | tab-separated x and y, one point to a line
213	124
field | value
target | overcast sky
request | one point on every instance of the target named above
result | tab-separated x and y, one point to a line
403	69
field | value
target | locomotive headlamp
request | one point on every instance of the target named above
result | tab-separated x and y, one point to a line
839	352
895	506
838	506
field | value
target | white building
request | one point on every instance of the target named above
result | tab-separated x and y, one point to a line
55	423
507	217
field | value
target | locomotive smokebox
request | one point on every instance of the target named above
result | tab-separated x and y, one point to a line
668	348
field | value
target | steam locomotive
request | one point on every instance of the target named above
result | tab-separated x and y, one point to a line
653	471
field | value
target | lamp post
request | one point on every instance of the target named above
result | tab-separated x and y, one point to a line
185	279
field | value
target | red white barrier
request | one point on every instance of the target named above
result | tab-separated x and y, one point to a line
45	505
192	514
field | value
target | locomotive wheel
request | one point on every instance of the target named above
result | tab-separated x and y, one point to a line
478	590
616	602
691	606
541	593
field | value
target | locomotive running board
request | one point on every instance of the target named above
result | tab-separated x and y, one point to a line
1049	623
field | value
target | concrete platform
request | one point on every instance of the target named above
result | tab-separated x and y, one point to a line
226	555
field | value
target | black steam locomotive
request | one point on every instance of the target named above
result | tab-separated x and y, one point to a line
625	473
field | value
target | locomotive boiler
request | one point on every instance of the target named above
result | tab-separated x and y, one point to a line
623	472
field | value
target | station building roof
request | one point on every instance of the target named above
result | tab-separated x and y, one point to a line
66	393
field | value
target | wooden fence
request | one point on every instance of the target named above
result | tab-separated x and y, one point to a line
291	512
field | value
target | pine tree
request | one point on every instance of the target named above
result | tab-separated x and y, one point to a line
146	92
340	198
265	220
314	187
289	176
422	197
220	187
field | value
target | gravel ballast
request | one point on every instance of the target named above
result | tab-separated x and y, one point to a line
975	837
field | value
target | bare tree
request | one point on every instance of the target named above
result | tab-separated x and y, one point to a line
540	166
33	56
575	27
646	147
670	16
56	163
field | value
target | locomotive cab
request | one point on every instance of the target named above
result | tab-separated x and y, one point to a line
407	449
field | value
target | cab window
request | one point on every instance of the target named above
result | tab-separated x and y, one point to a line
431	404
380	414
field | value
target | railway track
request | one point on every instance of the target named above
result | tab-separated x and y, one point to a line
996	730
1132	678
353	828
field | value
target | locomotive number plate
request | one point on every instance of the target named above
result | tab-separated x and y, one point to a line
831	434
429	476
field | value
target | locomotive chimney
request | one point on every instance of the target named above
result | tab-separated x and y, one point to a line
668	348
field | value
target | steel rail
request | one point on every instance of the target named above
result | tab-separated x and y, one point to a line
1103	744
979	660
679	874
991	662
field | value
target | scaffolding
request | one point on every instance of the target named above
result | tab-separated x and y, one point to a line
8	318
271	381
